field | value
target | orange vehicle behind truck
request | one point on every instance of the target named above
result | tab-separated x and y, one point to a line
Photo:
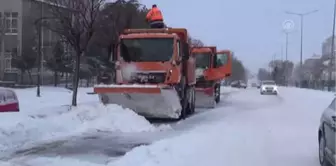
212	67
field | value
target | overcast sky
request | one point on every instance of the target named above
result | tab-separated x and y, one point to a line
251	28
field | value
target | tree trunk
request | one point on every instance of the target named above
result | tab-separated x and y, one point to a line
22	73
110	52
76	79
88	80
66	79
30	77
55	78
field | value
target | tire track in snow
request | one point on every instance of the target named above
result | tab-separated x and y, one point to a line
104	144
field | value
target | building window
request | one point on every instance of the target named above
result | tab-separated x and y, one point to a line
8	64
8	61
11	22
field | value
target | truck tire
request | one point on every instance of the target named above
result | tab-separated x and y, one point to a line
217	93
183	98
192	99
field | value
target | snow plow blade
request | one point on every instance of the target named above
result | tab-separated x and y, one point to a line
148	101
205	98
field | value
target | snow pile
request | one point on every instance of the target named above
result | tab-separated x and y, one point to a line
85	118
48	161
51	117
164	127
110	118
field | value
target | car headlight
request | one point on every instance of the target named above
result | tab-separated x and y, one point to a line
263	88
275	88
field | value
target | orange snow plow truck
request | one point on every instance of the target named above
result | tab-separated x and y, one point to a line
212	67
155	74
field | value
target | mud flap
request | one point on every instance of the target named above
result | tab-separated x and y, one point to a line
148	101
205	98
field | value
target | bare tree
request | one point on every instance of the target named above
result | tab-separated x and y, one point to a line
195	42
114	18
317	69
74	21
263	74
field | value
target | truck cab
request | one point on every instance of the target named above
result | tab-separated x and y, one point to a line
155	73
211	67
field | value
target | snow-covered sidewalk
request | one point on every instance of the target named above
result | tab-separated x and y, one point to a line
50	118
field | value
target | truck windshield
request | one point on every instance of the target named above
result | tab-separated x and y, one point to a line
147	49
203	60
221	59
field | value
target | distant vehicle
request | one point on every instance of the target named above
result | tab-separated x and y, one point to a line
238	84
254	84
8	101
268	87
243	85
258	85
326	136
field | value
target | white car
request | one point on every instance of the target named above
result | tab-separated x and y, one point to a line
268	87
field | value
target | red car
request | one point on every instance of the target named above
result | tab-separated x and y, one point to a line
8	101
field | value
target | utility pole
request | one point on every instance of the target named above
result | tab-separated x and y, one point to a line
301	15
332	53
287	26
286	59
39	51
282	56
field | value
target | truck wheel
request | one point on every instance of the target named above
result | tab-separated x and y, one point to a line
217	93
192	99
183	98
104	99
185	106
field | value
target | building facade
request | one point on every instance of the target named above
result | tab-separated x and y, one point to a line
19	31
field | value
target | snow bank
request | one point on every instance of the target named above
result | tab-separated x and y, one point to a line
51	117
85	118
43	161
127	86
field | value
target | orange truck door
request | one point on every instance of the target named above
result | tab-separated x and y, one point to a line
222	64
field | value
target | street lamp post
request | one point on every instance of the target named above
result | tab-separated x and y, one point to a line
39	57
286	59
301	43
288	26
332	53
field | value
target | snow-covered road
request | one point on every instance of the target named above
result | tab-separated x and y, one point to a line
245	129
249	129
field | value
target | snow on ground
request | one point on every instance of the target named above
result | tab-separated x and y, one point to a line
228	89
281	133
50	117
245	129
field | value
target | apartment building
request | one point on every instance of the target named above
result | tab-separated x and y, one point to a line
18	19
